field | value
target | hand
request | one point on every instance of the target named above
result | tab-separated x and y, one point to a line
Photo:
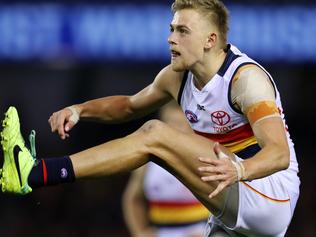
222	170
63	121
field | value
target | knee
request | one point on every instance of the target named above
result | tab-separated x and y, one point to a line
152	126
152	130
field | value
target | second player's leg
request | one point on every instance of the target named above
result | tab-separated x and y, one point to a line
175	151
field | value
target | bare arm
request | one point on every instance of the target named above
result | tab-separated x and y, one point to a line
116	109
254	94
274	155
260	108
134	206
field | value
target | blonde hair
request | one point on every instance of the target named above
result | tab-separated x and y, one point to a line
214	10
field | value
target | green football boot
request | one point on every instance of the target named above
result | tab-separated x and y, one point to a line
18	161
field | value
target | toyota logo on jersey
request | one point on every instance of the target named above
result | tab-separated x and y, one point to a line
220	118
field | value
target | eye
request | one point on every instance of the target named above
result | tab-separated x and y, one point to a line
171	29
183	31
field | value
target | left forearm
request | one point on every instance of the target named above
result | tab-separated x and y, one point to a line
274	155
266	162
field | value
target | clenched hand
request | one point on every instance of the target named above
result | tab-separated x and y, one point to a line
63	121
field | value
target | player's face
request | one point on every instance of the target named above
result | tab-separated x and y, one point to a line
189	32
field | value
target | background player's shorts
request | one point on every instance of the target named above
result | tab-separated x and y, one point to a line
266	207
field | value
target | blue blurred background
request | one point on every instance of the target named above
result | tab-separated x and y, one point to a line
58	53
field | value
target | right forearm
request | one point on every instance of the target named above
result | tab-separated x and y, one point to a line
110	109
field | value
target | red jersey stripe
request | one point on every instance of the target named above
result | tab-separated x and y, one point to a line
237	134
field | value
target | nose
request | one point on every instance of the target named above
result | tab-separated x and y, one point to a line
171	39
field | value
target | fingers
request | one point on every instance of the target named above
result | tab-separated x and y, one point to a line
218	189
69	125
216	148
60	126
214	168
209	161
52	122
218	177
60	122
221	170
219	153
208	169
215	173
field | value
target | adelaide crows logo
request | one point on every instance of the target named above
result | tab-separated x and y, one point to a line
192	117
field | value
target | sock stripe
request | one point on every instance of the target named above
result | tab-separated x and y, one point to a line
45	177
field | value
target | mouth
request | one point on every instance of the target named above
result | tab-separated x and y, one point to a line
174	53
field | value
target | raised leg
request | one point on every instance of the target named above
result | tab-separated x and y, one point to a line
175	151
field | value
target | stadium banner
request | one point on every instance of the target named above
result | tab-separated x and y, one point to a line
139	32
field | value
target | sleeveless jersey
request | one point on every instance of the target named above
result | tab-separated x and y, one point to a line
170	202
212	115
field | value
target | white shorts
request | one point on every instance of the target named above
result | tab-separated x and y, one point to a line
182	231
265	207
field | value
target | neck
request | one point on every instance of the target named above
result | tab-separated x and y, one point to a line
204	71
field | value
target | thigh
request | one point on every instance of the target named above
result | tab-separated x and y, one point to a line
178	152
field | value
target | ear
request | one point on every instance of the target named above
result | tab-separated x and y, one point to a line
211	40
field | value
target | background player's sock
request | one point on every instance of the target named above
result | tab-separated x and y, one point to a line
52	171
